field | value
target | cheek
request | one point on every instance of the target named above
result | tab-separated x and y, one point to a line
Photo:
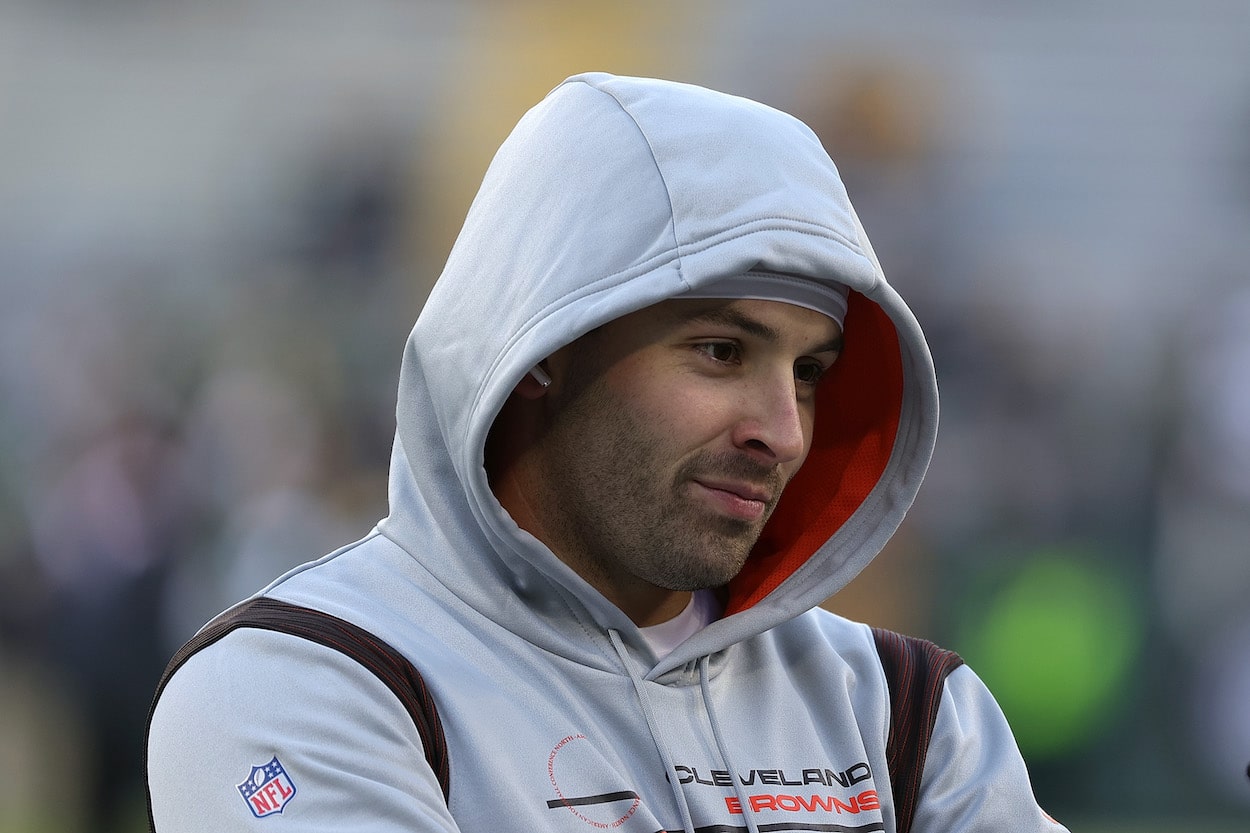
655	396
684	415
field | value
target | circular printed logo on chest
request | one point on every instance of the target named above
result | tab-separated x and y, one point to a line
583	785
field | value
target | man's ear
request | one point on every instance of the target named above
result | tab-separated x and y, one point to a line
533	385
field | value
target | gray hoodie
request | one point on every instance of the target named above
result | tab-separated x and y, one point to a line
610	195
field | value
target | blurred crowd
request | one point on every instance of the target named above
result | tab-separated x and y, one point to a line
216	228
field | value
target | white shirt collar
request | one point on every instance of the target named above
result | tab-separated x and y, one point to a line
704	608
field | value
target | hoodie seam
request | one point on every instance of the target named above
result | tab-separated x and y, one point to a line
780	222
376	532
668	193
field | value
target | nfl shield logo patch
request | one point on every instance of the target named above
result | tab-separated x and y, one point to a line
268	789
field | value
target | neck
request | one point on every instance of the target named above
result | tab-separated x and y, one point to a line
653	607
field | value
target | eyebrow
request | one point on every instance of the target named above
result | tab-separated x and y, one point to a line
736	318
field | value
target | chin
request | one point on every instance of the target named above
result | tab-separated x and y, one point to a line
712	576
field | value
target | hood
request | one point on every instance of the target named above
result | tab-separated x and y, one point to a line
610	195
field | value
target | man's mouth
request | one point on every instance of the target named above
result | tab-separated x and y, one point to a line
746	501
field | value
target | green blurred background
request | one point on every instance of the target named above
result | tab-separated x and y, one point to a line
218	222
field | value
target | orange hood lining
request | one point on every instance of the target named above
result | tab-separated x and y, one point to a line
858	409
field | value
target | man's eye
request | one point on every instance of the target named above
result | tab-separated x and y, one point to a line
808	373
721	351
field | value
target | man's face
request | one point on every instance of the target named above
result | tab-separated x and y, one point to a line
670	434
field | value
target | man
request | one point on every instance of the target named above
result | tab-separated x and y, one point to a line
635	451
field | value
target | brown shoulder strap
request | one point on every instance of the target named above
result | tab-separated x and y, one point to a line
915	671
383	661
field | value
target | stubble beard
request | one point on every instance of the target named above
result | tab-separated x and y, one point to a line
622	516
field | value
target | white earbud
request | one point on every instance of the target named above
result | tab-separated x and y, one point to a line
540	376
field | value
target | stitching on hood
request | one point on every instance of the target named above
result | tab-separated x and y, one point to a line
668	193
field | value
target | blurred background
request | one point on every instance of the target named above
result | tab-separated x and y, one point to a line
218	222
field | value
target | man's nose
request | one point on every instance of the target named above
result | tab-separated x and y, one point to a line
772	426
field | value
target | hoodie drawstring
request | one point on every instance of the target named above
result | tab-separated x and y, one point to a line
748	814
665	756
657	737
